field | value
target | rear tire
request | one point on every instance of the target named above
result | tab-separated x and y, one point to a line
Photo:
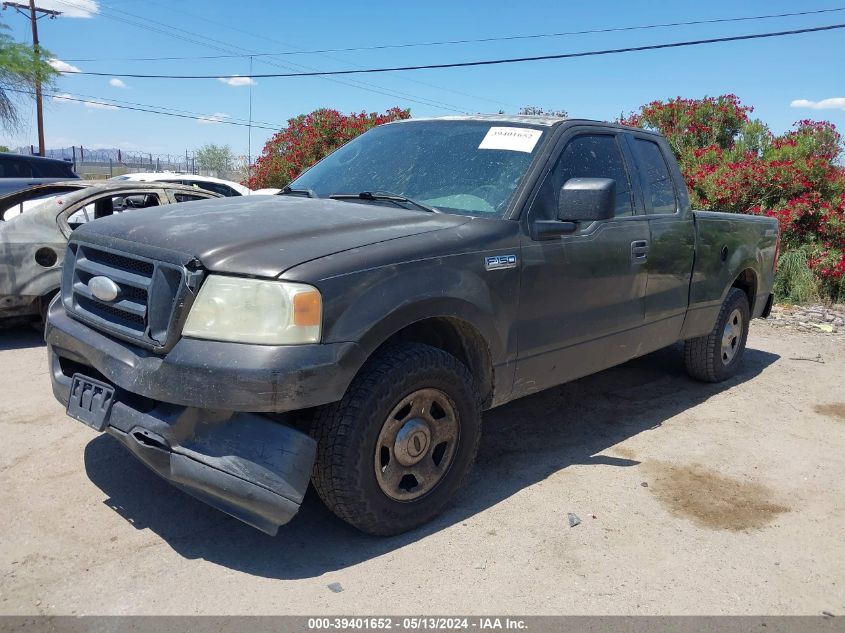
394	450
718	355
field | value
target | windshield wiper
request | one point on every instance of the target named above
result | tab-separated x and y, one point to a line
287	191
384	195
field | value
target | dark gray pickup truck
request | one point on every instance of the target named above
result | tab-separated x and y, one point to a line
352	329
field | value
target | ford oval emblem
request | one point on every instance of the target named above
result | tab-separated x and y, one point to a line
103	288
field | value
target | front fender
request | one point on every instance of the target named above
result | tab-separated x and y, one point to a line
396	298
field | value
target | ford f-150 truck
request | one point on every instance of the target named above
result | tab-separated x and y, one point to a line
351	329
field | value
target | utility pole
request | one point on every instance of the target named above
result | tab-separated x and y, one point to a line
249	133
34	15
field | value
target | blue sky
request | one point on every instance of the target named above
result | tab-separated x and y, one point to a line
769	74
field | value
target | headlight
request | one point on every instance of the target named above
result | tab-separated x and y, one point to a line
255	311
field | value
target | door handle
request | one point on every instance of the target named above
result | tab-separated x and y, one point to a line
639	250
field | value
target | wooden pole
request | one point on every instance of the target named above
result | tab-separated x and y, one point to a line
39	107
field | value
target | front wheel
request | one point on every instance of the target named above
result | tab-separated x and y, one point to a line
718	355
392	453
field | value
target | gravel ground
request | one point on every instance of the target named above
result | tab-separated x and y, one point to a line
693	499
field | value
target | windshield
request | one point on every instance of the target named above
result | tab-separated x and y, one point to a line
461	167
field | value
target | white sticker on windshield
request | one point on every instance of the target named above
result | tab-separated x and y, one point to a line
516	139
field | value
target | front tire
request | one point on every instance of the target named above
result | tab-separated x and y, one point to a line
718	355
399	444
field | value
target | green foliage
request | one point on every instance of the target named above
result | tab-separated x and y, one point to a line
19	71
217	158
795	282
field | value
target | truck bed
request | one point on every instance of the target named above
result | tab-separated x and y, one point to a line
727	243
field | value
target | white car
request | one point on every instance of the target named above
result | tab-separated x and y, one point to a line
269	191
217	185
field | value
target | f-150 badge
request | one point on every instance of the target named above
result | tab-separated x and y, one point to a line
497	262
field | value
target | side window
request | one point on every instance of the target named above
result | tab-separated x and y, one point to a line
111	204
223	190
187	197
656	182
52	169
14	168
589	156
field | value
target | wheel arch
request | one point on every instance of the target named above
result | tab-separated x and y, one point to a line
458	331
748	282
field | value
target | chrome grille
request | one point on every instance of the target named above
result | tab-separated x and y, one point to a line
151	295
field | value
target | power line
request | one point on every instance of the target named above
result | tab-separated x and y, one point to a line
201	115
113	13
487	62
507	38
169	5
210	118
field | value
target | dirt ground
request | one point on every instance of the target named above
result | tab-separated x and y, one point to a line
693	499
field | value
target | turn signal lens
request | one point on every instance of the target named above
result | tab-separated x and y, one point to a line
307	308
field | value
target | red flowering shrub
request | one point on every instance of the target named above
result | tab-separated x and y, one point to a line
307	139
733	163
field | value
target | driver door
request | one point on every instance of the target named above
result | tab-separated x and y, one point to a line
583	294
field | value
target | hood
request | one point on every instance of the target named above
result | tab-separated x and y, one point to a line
265	235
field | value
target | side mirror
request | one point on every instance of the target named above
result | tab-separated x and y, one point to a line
587	199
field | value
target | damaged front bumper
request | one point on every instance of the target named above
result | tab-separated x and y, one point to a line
245	464
251	466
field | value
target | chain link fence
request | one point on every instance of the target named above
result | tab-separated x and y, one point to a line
99	164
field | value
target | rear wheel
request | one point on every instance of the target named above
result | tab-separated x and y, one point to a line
718	355
392	453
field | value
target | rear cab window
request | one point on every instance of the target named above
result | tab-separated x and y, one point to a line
655	178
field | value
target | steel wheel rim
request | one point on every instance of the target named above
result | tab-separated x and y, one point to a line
416	445
731	337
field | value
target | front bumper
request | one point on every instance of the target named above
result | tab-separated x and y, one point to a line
207	374
253	468
190	415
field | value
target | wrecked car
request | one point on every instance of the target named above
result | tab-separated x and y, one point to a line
351	329
37	222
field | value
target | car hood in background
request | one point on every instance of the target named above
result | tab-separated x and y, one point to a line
267	235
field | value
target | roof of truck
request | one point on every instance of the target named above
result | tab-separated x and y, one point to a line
529	119
526	119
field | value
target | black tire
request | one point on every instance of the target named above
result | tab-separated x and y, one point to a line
43	306
705	357
348	432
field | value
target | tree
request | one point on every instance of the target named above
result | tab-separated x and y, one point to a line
216	158
19	71
734	163
308	138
